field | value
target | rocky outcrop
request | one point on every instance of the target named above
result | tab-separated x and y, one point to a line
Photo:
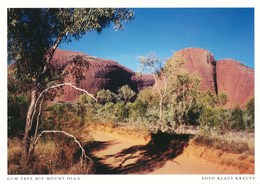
224	76
100	74
201	62
227	75
236	80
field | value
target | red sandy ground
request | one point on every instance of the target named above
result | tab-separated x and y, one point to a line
116	153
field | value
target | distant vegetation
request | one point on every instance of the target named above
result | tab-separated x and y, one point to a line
143	108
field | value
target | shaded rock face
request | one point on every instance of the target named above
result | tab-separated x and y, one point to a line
201	62
236	80
143	81
100	74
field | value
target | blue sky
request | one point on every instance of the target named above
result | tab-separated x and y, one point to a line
225	32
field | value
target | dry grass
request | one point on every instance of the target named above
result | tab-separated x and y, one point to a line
59	156
232	149
127	130
14	156
233	142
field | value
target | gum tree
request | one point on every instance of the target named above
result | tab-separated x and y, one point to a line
163	77
175	87
35	34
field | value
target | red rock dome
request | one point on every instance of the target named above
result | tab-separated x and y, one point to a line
100	74
200	61
225	75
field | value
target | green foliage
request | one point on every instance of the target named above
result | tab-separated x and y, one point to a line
169	116
86	99
121	112
138	109
185	99
250	106
57	116
237	121
149	96
249	115
225	119
18	102
209	119
208	98
151	62
81	110
151	117
126	94
222	99
212	115
34	34
105	113
104	96
84	107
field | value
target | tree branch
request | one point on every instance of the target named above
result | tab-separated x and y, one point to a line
52	87
51	51
83	152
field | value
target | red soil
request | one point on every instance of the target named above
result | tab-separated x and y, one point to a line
117	154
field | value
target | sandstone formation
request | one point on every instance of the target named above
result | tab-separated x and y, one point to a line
236	80
100	74
227	75
223	76
201	62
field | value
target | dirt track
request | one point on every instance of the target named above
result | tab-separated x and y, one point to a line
116	154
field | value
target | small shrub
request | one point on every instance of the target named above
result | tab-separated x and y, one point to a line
237	121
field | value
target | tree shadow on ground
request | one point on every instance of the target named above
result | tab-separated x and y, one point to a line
98	145
142	159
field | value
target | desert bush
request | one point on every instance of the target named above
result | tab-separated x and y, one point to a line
105	96
225	118
209	118
237	121
249	115
105	113
138	109
149	96
121	112
126	94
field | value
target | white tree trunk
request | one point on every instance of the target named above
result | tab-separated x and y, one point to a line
26	138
